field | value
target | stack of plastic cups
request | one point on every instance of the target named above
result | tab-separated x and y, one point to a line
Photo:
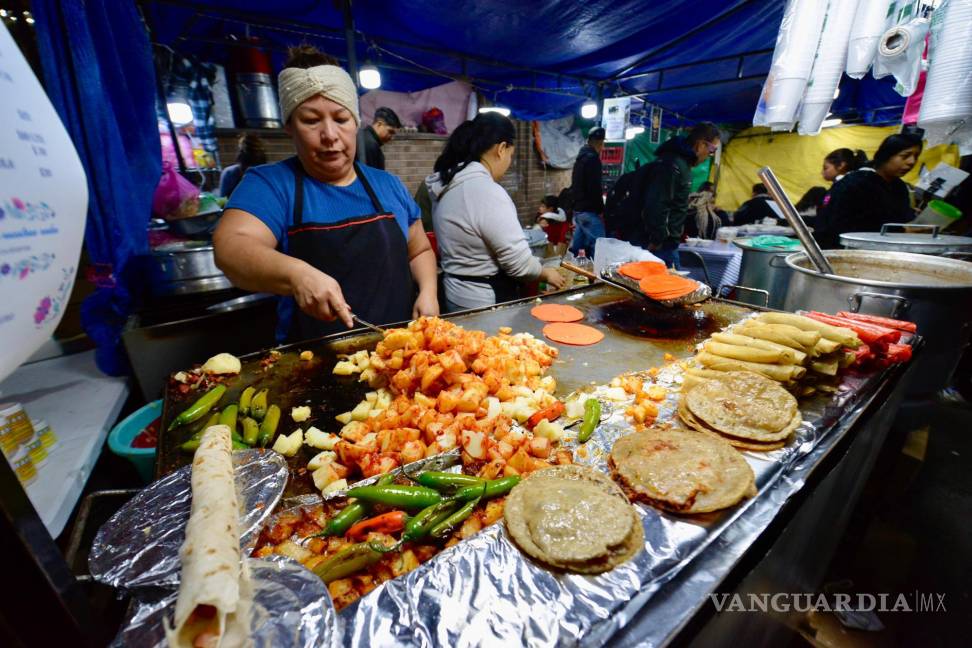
947	104
828	66
792	61
868	26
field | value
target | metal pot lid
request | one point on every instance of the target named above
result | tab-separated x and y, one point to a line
906	242
889	269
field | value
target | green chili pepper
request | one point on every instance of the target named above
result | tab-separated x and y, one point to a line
419	526
239	445
345	519
246	397
592	416
441	530
349	560
258	406
268	428
251	430
494	488
191	445
228	416
446	480
213	420
411	497
198	409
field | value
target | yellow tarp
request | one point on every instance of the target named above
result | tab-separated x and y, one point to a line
797	160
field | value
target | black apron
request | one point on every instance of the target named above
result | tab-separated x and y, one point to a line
367	255
504	286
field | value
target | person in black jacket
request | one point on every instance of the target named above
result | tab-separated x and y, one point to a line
757	208
587	195
372	138
873	195
667	192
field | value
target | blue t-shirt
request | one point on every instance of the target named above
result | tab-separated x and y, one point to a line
267	192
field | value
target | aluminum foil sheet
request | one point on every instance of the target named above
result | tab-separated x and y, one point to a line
484	591
611	274
139	546
291	609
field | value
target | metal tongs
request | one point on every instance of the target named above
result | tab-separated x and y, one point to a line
373	327
796	221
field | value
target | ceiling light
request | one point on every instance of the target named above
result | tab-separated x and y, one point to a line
496	109
180	113
631	131
369	77
834	121
589	110
3	13
836	93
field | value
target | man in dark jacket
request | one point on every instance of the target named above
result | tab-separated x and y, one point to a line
585	190
757	208
667	191
372	138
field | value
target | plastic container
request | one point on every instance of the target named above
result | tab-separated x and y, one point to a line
121	436
44	432
939	212
15	428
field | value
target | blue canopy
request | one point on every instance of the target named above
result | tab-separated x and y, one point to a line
700	59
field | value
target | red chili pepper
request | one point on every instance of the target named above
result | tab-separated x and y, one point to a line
898	352
901	325
548	413
869	333
392	522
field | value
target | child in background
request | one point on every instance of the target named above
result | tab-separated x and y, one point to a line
552	220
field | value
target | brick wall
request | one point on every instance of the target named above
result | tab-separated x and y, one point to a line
410	156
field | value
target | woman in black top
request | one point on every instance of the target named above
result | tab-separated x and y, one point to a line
865	199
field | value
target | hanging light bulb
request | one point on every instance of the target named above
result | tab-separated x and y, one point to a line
589	110
496	109
369	77
180	113
631	131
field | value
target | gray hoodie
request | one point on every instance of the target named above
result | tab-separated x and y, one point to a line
478	235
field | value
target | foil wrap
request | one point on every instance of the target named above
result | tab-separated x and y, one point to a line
139	546
613	275
291	608
485	591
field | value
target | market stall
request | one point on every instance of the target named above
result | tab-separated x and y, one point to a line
487	583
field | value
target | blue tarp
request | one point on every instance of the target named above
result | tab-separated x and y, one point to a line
702	59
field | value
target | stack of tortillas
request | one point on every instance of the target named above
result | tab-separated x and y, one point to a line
681	470
746	409
573	518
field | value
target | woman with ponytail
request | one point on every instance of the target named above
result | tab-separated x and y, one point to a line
875	194
482	247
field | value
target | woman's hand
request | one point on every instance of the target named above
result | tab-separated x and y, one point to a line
319	295
427	304
553	278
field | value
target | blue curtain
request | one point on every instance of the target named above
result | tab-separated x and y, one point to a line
100	77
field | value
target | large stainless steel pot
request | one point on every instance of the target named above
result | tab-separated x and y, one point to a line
763	270
928	241
933	292
185	268
257	100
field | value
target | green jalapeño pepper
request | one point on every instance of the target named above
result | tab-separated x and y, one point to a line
268	427
349	560
258	406
246	397
592	416
447	480
251	430
199	409
409	497
345	519
494	488
441	530
228	416
419	526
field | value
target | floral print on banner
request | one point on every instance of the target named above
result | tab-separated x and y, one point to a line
49	307
25	267
18	209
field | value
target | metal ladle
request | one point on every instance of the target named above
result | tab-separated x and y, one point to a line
792	216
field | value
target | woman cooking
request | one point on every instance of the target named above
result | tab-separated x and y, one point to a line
875	194
483	248
329	236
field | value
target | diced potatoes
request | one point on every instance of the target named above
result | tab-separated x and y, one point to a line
319	439
223	363
615	394
473	442
574	407
321	458
549	430
306	355
289	444
335	486
343	418
325	475
360	412
300	413
345	368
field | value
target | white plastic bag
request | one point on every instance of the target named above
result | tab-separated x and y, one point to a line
899	54
609	251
